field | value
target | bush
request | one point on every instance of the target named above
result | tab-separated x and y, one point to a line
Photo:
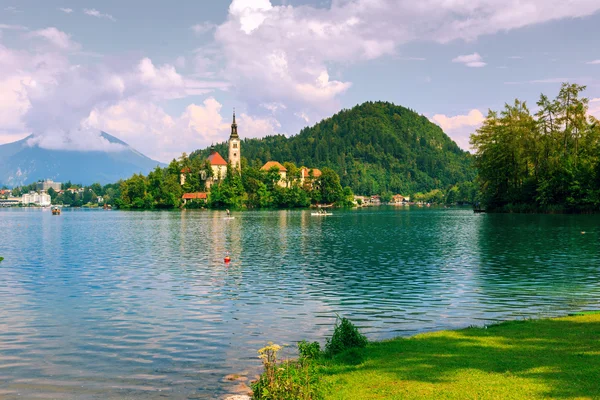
288	380
345	336
309	351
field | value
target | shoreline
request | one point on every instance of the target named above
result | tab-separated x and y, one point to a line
528	359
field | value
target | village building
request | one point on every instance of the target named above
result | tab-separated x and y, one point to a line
375	200
39	199
218	166
282	171
397	199
362	200
47	184
198	196
308	175
183	175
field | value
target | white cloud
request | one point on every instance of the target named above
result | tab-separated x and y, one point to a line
66	10
470	60
148	128
57	38
12	10
10	27
460	127
277	53
203	27
42	93
274	107
594	62
95	13
302	116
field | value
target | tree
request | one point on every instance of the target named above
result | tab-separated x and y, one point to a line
329	186
542	162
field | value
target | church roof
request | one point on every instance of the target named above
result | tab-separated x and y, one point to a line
271	164
216	159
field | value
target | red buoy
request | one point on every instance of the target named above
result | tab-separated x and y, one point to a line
227	259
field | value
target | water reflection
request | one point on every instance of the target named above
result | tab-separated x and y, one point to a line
141	305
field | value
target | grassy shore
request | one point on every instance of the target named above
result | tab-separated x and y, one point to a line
534	359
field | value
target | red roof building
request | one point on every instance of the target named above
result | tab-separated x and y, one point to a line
271	164
305	173
216	159
186	170
195	196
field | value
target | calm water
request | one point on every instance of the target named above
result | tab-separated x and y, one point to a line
139	305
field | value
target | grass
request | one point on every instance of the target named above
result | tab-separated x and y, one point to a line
534	359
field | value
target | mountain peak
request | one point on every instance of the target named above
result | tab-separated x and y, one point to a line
22	164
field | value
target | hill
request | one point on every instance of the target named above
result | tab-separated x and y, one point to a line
23	164
374	147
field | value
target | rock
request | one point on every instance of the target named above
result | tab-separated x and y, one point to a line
236	377
238	397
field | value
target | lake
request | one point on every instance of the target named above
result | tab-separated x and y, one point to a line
140	305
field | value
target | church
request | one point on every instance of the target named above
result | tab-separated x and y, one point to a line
218	163
219	167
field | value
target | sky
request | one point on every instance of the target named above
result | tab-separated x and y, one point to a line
166	76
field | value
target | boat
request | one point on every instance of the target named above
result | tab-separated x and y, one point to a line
320	214
55	211
229	218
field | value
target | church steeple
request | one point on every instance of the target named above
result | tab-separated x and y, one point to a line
235	150
234	133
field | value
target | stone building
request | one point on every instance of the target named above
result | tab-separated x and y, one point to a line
282	171
47	184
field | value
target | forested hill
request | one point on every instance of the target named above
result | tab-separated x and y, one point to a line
374	147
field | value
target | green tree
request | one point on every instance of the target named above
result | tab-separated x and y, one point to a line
329	186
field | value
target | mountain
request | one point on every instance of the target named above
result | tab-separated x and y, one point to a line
374	147
23	164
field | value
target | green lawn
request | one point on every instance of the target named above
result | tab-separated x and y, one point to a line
536	359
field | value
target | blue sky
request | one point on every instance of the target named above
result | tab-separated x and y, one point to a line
165	76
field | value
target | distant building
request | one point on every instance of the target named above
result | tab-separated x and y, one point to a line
198	196
100	200
47	184
39	199
362	200
397	199
306	175
10	202
375	200
282	171
218	166
183	175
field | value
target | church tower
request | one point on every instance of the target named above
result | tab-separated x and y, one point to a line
234	147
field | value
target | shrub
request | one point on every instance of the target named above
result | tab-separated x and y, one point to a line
288	380
309	351
345	336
